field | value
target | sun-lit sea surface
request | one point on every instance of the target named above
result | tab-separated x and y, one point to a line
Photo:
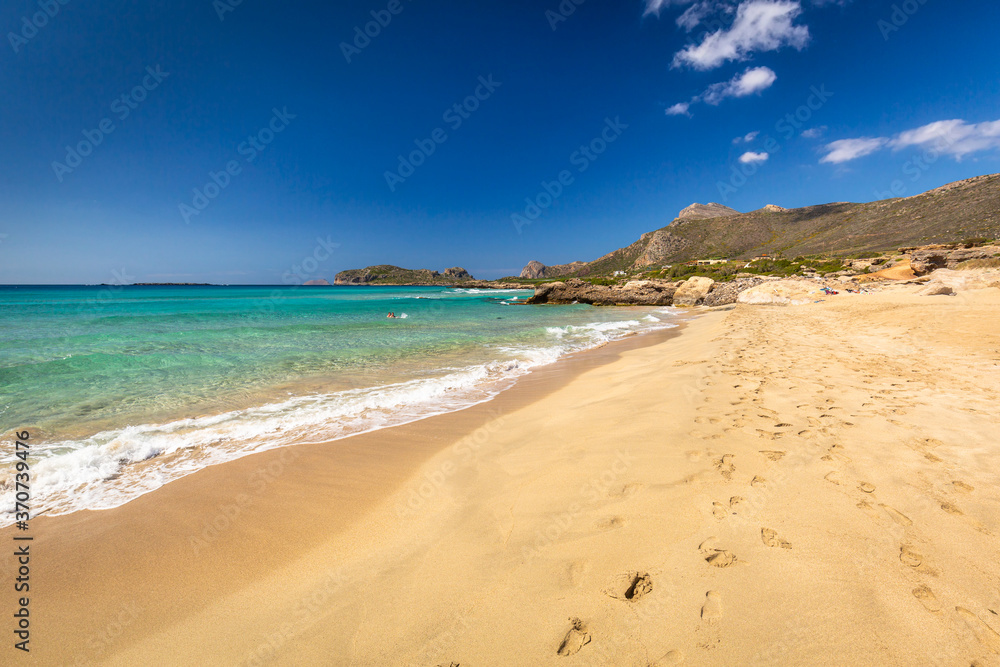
124	389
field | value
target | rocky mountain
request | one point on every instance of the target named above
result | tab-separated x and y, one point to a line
536	270
953	213
318	282
386	274
705	211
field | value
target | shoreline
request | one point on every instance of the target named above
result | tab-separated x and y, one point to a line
774	485
463	393
229	507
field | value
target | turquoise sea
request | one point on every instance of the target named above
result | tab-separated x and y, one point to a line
124	389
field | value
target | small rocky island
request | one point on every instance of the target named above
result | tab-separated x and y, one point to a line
386	274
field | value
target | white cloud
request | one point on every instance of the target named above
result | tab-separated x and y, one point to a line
760	25
747	138
679	109
846	150
654	6
956	138
754	158
695	14
814	132
951	137
753	80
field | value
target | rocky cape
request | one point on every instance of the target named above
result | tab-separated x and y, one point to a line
695	291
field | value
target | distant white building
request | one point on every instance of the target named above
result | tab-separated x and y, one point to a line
618	273
710	262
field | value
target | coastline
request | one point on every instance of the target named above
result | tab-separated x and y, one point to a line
772	485
235	510
228	383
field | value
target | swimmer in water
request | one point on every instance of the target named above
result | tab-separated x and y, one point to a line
391	316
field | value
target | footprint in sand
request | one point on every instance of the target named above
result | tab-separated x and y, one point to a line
670	658
909	557
716	557
866	487
897	516
719	511
951	509
834	478
927	598
866	506
835	453
725	466
962	487
987	636
706	420
625	490
773	455
611	523
711	611
758	482
630	586
771	539
575	639
575	572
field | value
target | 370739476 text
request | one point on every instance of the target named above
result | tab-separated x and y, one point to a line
22	543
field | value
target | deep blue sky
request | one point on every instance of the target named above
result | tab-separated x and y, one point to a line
323	176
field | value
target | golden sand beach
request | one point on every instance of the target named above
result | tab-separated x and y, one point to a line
805	485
